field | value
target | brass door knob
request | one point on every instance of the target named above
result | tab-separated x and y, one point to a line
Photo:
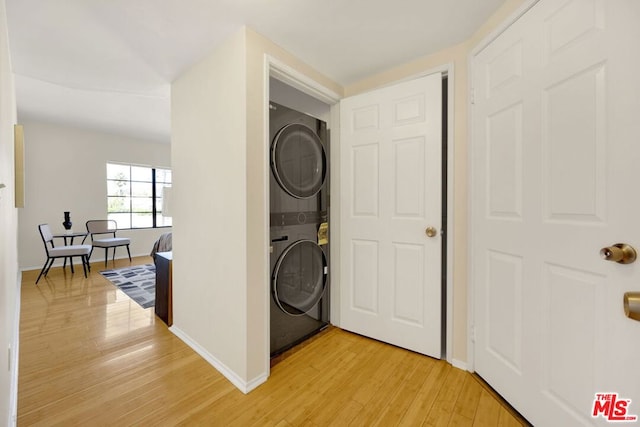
431	231
620	253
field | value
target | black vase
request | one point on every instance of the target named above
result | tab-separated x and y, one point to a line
67	221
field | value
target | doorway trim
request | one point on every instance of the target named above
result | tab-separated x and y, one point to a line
292	77
279	70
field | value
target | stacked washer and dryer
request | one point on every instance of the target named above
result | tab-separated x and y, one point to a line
299	218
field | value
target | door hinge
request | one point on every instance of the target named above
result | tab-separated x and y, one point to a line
473	96
472	333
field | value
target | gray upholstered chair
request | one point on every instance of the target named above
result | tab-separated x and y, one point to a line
98	229
53	252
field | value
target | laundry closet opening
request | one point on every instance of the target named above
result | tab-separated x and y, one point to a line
299	216
397	184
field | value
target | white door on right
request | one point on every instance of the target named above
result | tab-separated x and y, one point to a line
555	178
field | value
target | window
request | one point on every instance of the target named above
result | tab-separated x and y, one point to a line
134	195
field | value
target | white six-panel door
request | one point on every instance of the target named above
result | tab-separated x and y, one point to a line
555	177
390	147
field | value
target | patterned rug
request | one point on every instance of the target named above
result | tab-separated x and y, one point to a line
139	282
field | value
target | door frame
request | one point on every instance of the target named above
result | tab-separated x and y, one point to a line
279	70
473	209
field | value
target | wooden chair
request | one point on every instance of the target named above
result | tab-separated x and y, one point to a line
53	252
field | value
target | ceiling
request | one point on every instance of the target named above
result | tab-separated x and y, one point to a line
108	64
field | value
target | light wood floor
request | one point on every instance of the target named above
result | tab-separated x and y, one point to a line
90	356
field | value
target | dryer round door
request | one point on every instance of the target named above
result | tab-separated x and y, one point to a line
300	277
298	160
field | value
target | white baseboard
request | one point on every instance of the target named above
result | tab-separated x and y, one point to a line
241	384
459	364
95	261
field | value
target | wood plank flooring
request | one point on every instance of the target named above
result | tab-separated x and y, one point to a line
90	356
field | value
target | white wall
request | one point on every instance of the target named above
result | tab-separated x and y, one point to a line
208	145
66	171
9	275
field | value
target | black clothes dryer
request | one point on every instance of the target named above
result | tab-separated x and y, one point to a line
299	167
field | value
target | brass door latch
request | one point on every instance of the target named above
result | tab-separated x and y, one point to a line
632	305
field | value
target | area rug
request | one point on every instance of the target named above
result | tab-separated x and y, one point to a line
138	282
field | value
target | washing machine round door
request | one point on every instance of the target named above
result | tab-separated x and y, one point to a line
300	277
298	160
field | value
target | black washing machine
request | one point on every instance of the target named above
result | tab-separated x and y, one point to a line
299	219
